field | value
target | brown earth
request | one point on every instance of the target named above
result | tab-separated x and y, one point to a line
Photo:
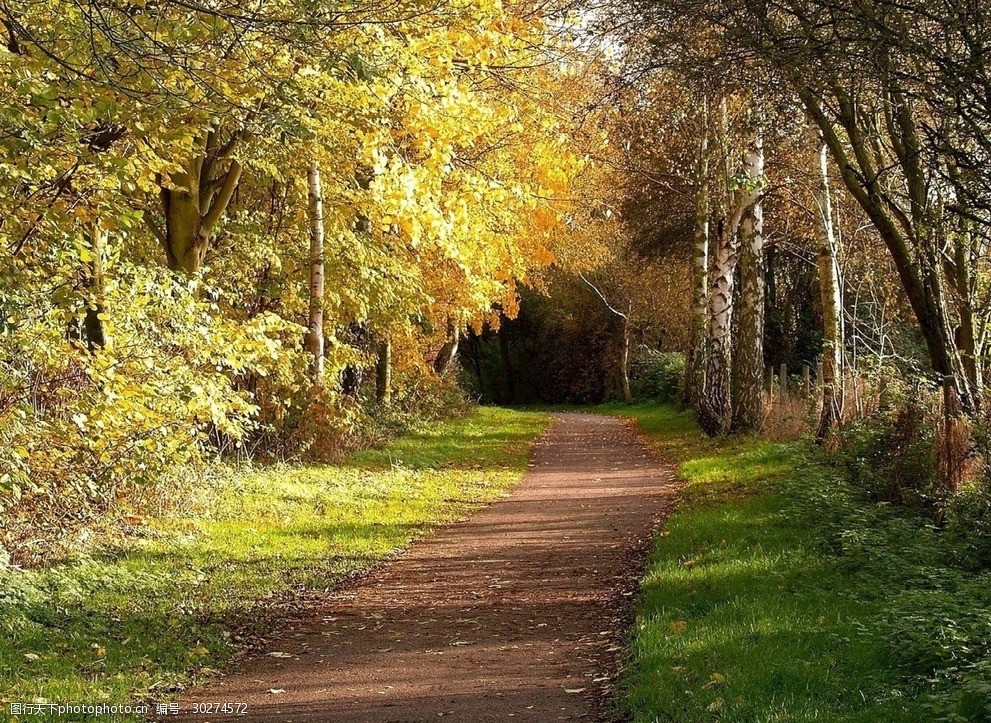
518	613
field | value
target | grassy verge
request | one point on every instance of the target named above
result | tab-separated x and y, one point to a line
170	605
780	593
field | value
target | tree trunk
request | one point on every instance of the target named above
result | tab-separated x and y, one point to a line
196	202
748	366
93	327
315	339
509	374
963	283
909	236
449	350
352	375
624	363
696	361
831	380
383	372
715	411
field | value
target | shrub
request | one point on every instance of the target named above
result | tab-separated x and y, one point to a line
892	454
968	525
659	375
81	429
419	397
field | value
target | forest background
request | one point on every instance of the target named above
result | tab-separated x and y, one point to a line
240	233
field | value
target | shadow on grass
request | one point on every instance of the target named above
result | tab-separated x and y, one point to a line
765	591
107	625
171	607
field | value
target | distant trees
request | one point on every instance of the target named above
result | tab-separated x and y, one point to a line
215	221
898	93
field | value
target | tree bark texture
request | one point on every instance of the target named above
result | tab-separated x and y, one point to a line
831	414
315	338
624	361
196	201
715	409
748	366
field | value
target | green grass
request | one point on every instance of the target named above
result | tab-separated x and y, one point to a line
162	609
778	592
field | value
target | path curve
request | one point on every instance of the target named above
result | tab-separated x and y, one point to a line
517	613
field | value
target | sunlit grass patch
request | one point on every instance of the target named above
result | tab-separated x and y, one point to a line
160	610
779	593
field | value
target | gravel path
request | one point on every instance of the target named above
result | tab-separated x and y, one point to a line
517	613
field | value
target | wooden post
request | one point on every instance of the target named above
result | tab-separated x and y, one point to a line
783	381
806	379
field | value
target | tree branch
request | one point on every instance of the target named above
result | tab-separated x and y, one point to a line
598	293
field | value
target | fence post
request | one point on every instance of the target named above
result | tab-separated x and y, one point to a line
806	379
783	382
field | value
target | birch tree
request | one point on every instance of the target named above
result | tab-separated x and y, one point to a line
315	336
748	364
624	354
828	266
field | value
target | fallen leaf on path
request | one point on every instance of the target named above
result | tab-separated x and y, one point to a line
574	690
276	691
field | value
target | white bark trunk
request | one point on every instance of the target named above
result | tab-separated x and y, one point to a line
624	361
748	367
832	308
315	339
714	410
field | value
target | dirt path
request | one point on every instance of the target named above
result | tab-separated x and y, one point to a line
517	613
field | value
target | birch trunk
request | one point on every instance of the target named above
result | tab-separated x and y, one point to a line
315	338
624	362
748	366
963	283
831	414
715	411
449	350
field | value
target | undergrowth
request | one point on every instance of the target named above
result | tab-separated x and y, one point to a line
780	592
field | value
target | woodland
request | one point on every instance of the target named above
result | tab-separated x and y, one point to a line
266	260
